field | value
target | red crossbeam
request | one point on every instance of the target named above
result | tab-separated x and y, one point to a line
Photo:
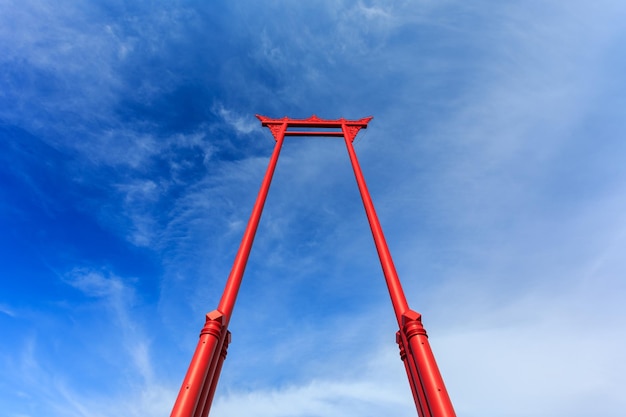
314	121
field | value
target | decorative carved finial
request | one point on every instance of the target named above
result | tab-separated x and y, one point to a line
276	129
350	131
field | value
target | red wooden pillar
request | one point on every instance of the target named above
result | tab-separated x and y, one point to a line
190	393
433	388
425	380
411	372
208	391
229	296
199	385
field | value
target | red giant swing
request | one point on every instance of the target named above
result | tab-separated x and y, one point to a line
198	388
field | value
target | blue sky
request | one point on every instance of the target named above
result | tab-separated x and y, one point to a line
130	158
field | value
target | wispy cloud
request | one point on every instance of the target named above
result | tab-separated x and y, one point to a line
374	390
241	124
5	309
534	347
494	161
118	298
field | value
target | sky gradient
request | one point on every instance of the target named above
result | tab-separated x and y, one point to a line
130	159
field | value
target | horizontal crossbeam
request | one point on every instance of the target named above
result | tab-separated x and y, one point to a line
315	121
312	133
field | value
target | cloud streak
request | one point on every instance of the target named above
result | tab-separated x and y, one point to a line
494	160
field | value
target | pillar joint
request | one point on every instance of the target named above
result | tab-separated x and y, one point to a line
227	339
213	324
412	325
401	346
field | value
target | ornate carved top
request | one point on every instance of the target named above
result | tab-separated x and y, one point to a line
345	128
276	129
350	131
315	121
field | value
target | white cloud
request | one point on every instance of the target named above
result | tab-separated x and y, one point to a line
5	309
115	348
377	389
373	12
95	284
241	124
548	353
119	298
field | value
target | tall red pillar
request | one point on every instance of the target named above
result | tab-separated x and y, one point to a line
196	393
